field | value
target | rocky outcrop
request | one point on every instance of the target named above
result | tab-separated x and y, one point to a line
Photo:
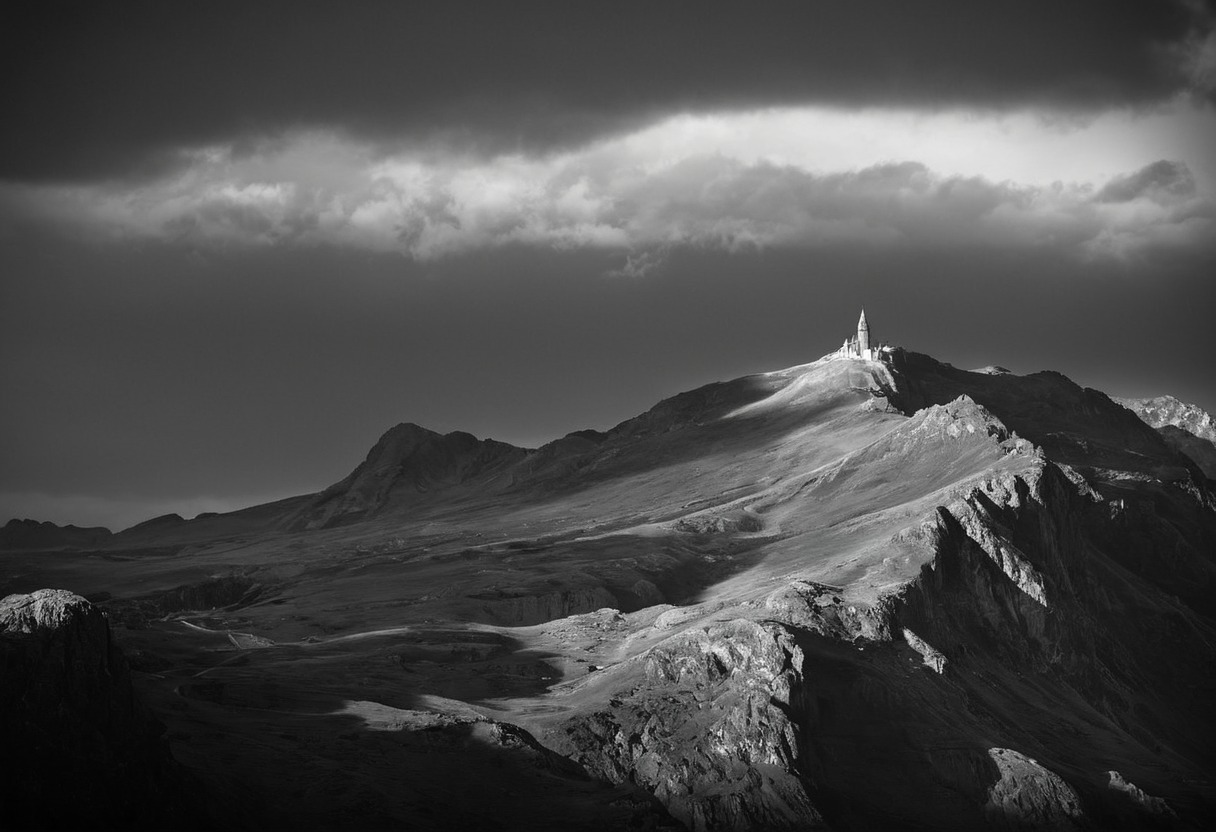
1029	796
819	609
1153	806
717	522
1031	580
710	733
930	655
79	746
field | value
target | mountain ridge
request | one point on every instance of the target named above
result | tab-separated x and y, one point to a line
411	458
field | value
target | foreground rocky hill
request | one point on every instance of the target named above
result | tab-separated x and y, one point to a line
80	747
847	595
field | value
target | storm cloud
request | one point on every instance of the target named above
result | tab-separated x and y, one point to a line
102	90
679	183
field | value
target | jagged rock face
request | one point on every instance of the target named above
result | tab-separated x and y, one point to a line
709	733
1024	586
1149	808
79	746
1051	629
1028	796
752	725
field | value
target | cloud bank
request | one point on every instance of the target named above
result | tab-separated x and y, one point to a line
733	181
91	92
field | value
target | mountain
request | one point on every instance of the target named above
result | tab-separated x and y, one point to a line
408	463
35	535
1166	410
846	595
1185	427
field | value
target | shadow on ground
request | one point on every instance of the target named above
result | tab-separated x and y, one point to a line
344	737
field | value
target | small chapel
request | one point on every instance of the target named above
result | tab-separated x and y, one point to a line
860	345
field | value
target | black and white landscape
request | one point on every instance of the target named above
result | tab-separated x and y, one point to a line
245	246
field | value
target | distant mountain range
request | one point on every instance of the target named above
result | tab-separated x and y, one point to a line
410	464
1185	427
32	534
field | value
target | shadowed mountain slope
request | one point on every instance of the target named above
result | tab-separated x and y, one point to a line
1074	425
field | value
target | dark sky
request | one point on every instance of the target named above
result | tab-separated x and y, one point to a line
240	241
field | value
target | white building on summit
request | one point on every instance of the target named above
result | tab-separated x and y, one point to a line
860	346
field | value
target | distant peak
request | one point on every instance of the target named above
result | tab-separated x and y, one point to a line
171	519
43	534
17	524
402	436
409	428
1162	411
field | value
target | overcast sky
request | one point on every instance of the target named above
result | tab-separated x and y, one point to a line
238	241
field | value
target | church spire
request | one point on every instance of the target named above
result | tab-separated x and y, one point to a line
864	347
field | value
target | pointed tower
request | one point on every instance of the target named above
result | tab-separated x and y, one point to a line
863	336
